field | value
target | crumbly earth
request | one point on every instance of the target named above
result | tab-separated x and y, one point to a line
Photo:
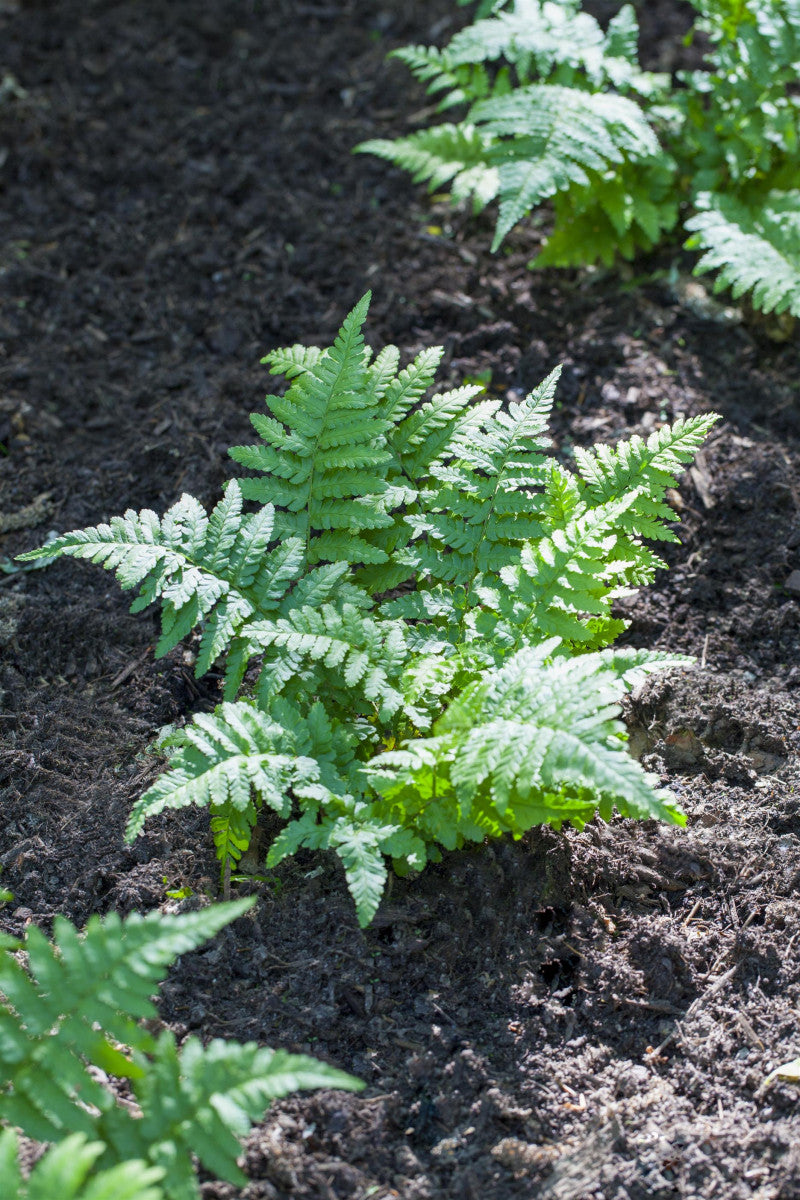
576	1016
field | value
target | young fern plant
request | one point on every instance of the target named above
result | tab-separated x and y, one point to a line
70	1012
555	109
415	620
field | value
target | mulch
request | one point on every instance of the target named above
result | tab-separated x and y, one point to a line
574	1016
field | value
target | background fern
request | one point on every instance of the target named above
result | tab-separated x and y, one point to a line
556	109
756	249
76	1005
470	559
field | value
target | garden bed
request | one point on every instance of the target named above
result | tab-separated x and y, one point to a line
573	1016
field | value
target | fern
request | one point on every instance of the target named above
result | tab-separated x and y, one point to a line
557	136
755	249
468	555
212	569
75	1007
557	110
533	741
321	464
66	1172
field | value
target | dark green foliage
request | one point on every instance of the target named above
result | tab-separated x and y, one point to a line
446	678
75	1004
556	109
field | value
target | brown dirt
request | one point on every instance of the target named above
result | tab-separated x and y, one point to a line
576	1016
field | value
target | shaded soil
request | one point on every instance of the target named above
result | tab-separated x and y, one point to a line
576	1016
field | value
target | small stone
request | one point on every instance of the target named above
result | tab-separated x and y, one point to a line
792	584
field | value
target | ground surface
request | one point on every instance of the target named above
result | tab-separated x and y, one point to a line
588	1015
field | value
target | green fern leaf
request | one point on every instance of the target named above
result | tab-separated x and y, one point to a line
534	742
220	762
563	578
104	978
359	652
66	1172
321	457
213	570
485	503
200	1100
73	1006
557	135
454	154
292	360
649	467
755	249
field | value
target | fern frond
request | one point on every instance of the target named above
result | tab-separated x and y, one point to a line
535	742
221	761
561	580
49	1013
410	385
362	655
631	666
66	1173
557	135
321	457
649	467
488	491
755	250
200	1099
347	826
73	1007
537	38
617	213
211	570
455	154
239	759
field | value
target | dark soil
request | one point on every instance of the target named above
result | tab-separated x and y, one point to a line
575	1016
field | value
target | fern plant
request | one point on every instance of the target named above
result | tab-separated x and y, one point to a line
415	621
72	1008
555	109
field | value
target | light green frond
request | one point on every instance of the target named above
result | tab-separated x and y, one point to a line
556	136
756	250
535	742
649	467
359	652
321	458
292	360
425	435
359	848
454	154
561	581
209	571
51	1011
201	1099
489	480
223	761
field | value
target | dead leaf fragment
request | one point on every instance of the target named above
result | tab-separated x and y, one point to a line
31	515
